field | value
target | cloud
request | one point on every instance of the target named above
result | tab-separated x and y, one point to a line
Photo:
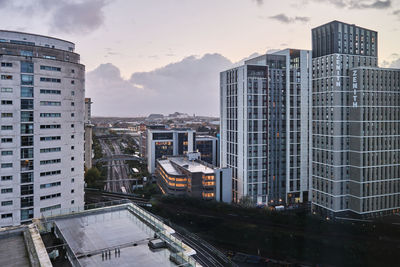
83	17
359	4
285	19
259	2
62	16
397	13
395	64
190	85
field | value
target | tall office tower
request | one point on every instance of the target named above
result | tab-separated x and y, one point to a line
168	142
42	126
88	133
355	126
264	127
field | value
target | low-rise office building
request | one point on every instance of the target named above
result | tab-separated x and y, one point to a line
168	142
188	175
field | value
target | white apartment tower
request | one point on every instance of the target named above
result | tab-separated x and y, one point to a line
42	126
265	120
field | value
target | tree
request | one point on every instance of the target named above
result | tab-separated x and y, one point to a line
92	178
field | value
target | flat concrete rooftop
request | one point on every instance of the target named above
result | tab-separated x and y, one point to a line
13	251
192	166
90	235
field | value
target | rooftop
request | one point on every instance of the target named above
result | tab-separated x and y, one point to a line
22	246
190	165
121	232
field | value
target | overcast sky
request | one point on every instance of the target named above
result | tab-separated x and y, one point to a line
161	56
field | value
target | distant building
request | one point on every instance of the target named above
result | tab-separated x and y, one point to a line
188	175
155	117
143	137
88	133
42	126
355	124
178	115
208	146
165	142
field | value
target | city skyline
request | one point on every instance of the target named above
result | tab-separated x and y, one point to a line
149	55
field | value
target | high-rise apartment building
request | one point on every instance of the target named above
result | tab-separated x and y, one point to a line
355	124
265	109
168	142
42	126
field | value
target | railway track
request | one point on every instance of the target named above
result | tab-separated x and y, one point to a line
95	196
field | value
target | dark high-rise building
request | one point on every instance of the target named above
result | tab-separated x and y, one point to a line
341	38
355	124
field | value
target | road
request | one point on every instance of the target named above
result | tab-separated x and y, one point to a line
117	170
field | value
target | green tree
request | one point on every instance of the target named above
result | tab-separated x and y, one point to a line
93	177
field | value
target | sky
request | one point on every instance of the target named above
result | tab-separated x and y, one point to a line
162	56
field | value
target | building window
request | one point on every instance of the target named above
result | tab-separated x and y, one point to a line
6	90
6	102
50	173
6	140
58	206
6	115
27	177
6	215
6	190
26	91
50	161
26	79
26	140
6	203
26	153
27	189
6	127
26	67
6	77
50	196
50	150
27	128
50	138
26	103
50	80
50	103
6	165
26	202
50	115
49	185
6	64
26	116
26	214
6	153
26	53
50	126
6	178
50	92
50	68
26	165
